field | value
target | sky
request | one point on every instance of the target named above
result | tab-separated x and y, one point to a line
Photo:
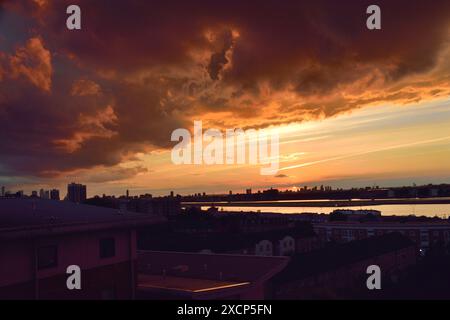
353	107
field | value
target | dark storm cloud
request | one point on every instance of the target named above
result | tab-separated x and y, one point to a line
219	59
139	69
278	40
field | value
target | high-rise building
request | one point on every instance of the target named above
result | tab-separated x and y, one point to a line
3	191
76	192
34	194
54	194
44	194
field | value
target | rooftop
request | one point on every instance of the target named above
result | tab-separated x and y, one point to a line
190	285
20	217
341	255
197	274
220	241
222	267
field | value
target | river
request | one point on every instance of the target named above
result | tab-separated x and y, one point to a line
429	210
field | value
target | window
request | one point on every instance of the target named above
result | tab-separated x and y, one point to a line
107	248
47	257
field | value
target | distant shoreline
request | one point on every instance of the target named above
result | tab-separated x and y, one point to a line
318	203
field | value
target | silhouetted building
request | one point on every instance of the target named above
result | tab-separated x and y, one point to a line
423	234
76	192
326	193
54	194
220	236
340	271
3	191
194	276
44	194
164	206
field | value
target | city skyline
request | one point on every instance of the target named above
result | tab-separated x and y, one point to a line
353	107
77	192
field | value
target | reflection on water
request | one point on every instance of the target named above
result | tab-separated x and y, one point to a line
429	210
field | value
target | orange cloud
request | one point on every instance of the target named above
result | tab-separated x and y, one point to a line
90	126
33	61
85	87
41	3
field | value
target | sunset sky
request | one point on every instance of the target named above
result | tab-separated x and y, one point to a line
353	107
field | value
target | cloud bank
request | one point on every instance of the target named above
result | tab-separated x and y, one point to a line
73	100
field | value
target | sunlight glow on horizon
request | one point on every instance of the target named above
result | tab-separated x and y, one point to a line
314	152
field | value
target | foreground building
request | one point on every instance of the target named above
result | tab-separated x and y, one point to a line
196	276
39	239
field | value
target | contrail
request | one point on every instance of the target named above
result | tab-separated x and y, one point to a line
405	145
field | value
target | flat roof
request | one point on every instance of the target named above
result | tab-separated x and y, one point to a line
190	285
232	268
37	216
